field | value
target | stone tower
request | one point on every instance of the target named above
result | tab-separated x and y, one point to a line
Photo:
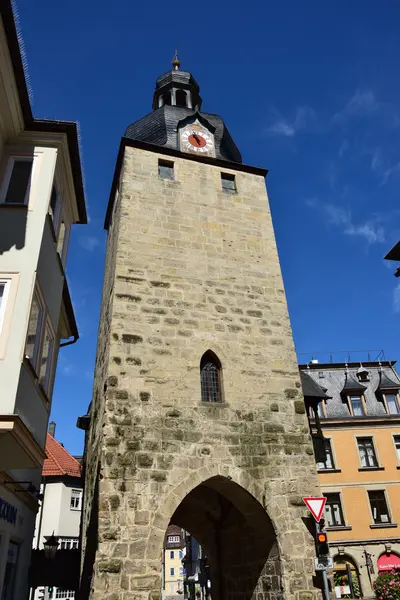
197	417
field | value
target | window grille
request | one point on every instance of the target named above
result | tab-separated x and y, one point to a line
210	378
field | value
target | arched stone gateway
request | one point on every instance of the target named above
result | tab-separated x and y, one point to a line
238	538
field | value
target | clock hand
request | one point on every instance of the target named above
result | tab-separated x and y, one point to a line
196	137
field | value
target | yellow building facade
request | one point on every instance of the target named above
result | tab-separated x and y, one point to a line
359	472
173	568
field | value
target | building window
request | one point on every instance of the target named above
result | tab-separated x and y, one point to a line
172	555
328	463
180	98
366	451
171	588
66	594
165	169
357	406
392	403
379	508
333	510
46	358
62	242
346	578
69	543
172	571
55	208
180	571
228	182
210	378
396	439
5	285
76	499
180	554
173	539
18	180
32	347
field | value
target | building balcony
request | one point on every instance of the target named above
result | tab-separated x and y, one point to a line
18	447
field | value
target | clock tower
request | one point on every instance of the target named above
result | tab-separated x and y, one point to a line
197	418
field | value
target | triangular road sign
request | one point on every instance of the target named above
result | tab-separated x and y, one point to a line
315	506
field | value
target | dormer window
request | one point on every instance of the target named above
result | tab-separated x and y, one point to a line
357	405
392	403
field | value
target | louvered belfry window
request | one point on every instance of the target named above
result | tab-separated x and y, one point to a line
210	378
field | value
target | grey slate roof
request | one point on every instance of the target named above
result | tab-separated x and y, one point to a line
311	389
387	383
160	127
352	384
334	378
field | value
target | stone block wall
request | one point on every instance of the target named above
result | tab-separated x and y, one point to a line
192	268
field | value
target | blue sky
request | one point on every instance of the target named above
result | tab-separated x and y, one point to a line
308	90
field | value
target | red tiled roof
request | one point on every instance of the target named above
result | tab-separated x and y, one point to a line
59	461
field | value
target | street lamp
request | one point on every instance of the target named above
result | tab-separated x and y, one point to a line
50	546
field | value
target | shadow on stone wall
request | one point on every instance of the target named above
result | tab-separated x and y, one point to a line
91	544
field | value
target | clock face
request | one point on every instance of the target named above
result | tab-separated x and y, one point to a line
196	140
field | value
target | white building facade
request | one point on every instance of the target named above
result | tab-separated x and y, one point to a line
60	509
41	197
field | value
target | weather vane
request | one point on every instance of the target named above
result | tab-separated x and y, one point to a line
176	63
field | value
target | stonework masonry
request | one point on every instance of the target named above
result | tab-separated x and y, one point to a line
191	268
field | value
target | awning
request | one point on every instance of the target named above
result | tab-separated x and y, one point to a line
388	562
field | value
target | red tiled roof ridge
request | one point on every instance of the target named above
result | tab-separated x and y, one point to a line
59	461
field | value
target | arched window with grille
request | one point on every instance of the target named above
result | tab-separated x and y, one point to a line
210	377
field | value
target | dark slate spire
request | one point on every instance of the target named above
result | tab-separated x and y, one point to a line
177	98
386	383
352	384
311	389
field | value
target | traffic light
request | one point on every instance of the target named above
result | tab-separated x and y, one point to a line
50	591
321	539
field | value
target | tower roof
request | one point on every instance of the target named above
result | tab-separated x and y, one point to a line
176	99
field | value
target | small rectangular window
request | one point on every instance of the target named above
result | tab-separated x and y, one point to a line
228	182
173	539
172	572
397	446
20	181
4	290
171	554
366	451
34	330
165	169
392	404
328	462
76	499
180	554
333	510
180	571
379	508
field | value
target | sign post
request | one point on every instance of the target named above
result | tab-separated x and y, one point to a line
316	507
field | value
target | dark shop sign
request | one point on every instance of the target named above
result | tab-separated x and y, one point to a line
7	512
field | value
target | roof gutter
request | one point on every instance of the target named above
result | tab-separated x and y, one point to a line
70	342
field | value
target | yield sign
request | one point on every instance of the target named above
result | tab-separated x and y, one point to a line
315	506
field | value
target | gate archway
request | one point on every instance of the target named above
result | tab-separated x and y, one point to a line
238	537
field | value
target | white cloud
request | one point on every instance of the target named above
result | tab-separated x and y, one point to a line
371	231
89	242
396	298
389	172
343	148
304	119
361	104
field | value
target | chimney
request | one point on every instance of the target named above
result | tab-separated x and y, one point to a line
52	428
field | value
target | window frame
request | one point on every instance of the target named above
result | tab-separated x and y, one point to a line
172	554
79	507
172	571
176	539
397	401
47	329
229	177
73	541
389	515
209	357
4	300
362	402
328	441
341	511
36	296
397	450
363	438
11	160
167	164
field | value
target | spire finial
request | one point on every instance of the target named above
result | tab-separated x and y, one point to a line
176	63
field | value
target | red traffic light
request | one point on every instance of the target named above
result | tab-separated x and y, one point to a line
322	538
